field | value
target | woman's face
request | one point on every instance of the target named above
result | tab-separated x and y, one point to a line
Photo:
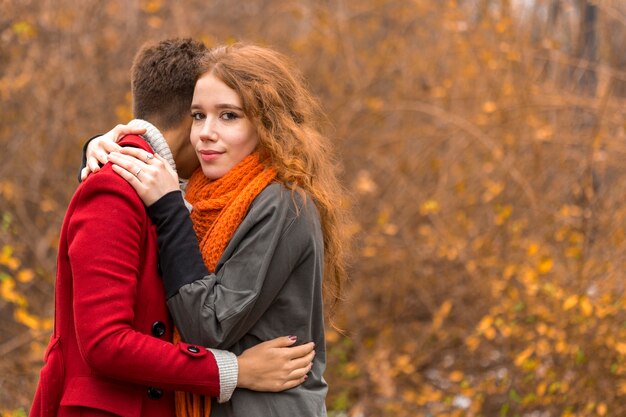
221	134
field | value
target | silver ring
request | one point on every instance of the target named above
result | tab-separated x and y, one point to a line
137	173
149	157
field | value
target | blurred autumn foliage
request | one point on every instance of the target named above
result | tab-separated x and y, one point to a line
483	141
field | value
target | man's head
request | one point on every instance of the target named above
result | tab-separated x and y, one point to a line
163	77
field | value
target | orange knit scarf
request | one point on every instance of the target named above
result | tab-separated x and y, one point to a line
219	206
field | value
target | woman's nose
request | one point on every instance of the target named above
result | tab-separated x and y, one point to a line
208	130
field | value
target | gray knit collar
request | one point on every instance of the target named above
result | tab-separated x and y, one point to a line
155	139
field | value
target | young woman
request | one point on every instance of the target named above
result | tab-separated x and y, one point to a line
266	213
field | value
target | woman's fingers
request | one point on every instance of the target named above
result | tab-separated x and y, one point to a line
302	362
300	351
130	178
284	341
97	154
129	163
84	173
291	384
93	165
120	131
155	175
108	147
137	153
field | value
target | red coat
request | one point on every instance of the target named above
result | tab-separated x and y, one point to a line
111	351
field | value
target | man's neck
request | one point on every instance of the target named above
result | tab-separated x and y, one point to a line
180	146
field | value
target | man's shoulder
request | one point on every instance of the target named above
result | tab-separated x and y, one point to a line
106	178
106	184
135	141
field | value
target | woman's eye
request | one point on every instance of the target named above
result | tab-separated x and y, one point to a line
229	115
197	116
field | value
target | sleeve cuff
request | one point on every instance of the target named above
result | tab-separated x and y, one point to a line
84	161
229	370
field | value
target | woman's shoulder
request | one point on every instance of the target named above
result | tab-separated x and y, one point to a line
291	213
280	196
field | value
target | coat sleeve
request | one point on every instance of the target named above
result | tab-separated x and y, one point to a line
105	233
218	309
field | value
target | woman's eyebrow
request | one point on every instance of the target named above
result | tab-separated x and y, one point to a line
228	106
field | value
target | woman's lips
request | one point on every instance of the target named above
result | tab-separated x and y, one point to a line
210	155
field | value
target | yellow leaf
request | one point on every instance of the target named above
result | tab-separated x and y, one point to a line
46	324
8	293
490	333
472	343
155	22
7	190
523	355
485	323
586	307
351	369
47	205
503	214
151	6
25	275
364	183
509	271
7	258
456	376
545	265
13	263
439	92
533	248
576	237
501	26
602	409
23	29
544	133
541	389
30	321
493	189
429	206
573	252
543	348
622	387
489	107
570	302
331	336
374	103
383	217
441	314
390	229
529	276
404	364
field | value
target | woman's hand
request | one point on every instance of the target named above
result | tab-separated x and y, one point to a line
149	174
99	148
274	366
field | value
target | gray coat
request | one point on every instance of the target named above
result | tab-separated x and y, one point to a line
268	283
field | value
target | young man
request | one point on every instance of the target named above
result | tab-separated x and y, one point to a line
111	349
